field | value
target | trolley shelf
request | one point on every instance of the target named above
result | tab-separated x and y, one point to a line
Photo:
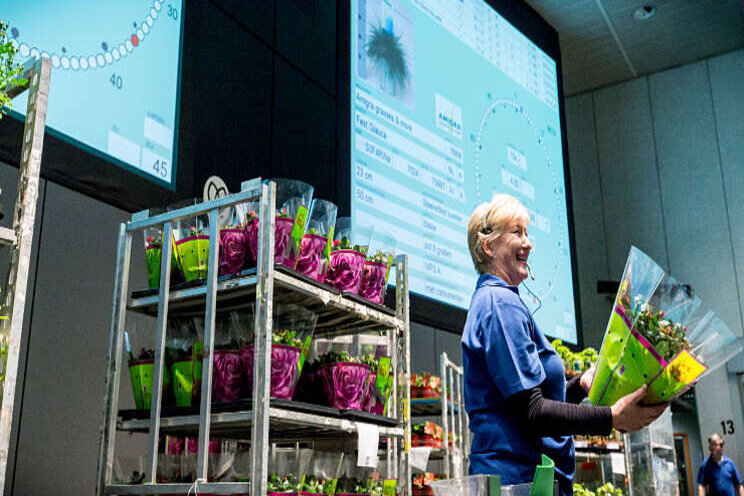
338	313
285	425
182	488
7	236
428	407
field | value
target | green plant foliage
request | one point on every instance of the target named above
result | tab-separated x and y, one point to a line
287	337
338	357
10	70
278	484
666	337
583	359
606	490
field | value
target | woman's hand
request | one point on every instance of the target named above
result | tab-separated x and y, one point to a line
629	415
587	378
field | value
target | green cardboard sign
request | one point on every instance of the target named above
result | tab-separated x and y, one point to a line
303	352
384	381
329	245
494	485
298	230
388	487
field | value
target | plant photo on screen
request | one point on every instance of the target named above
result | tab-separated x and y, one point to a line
385	51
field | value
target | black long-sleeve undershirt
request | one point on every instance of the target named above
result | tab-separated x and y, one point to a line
549	418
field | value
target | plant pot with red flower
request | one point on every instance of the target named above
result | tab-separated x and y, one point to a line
426	434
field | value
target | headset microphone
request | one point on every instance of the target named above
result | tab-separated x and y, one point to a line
529	271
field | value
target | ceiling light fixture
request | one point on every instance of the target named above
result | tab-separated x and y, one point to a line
644	13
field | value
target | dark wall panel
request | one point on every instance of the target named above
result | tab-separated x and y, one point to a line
233	71
306	36
304	132
255	15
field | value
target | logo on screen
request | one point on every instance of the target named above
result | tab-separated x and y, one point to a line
449	116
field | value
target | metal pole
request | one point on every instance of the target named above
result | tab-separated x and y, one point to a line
460	428
453	429
113	362
205	408
20	258
402	313
262	340
445	413
166	252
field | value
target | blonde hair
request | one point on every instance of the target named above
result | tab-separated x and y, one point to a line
489	221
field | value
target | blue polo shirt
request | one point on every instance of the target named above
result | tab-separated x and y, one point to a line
719	480
503	353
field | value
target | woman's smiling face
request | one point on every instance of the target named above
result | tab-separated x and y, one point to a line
509	253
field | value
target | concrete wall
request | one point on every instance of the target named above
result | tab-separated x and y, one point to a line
657	162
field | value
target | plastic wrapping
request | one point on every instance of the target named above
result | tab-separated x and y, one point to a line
324	468
380	253
192	242
233	241
293	200
346	261
227	366
141	361
293	329
185	349
321	222
658	334
153	237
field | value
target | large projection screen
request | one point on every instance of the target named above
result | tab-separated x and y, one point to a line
450	104
115	76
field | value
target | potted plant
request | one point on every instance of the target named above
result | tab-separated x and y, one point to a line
310	260
283	486
427	434
374	277
345	265
153	255
426	386
285	363
344	380
420	483
141	373
293	199
233	243
193	251
185	353
316	486
227	364
349	486
646	341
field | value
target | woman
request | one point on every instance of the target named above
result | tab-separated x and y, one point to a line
515	388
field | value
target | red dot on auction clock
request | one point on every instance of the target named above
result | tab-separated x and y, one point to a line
135	40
